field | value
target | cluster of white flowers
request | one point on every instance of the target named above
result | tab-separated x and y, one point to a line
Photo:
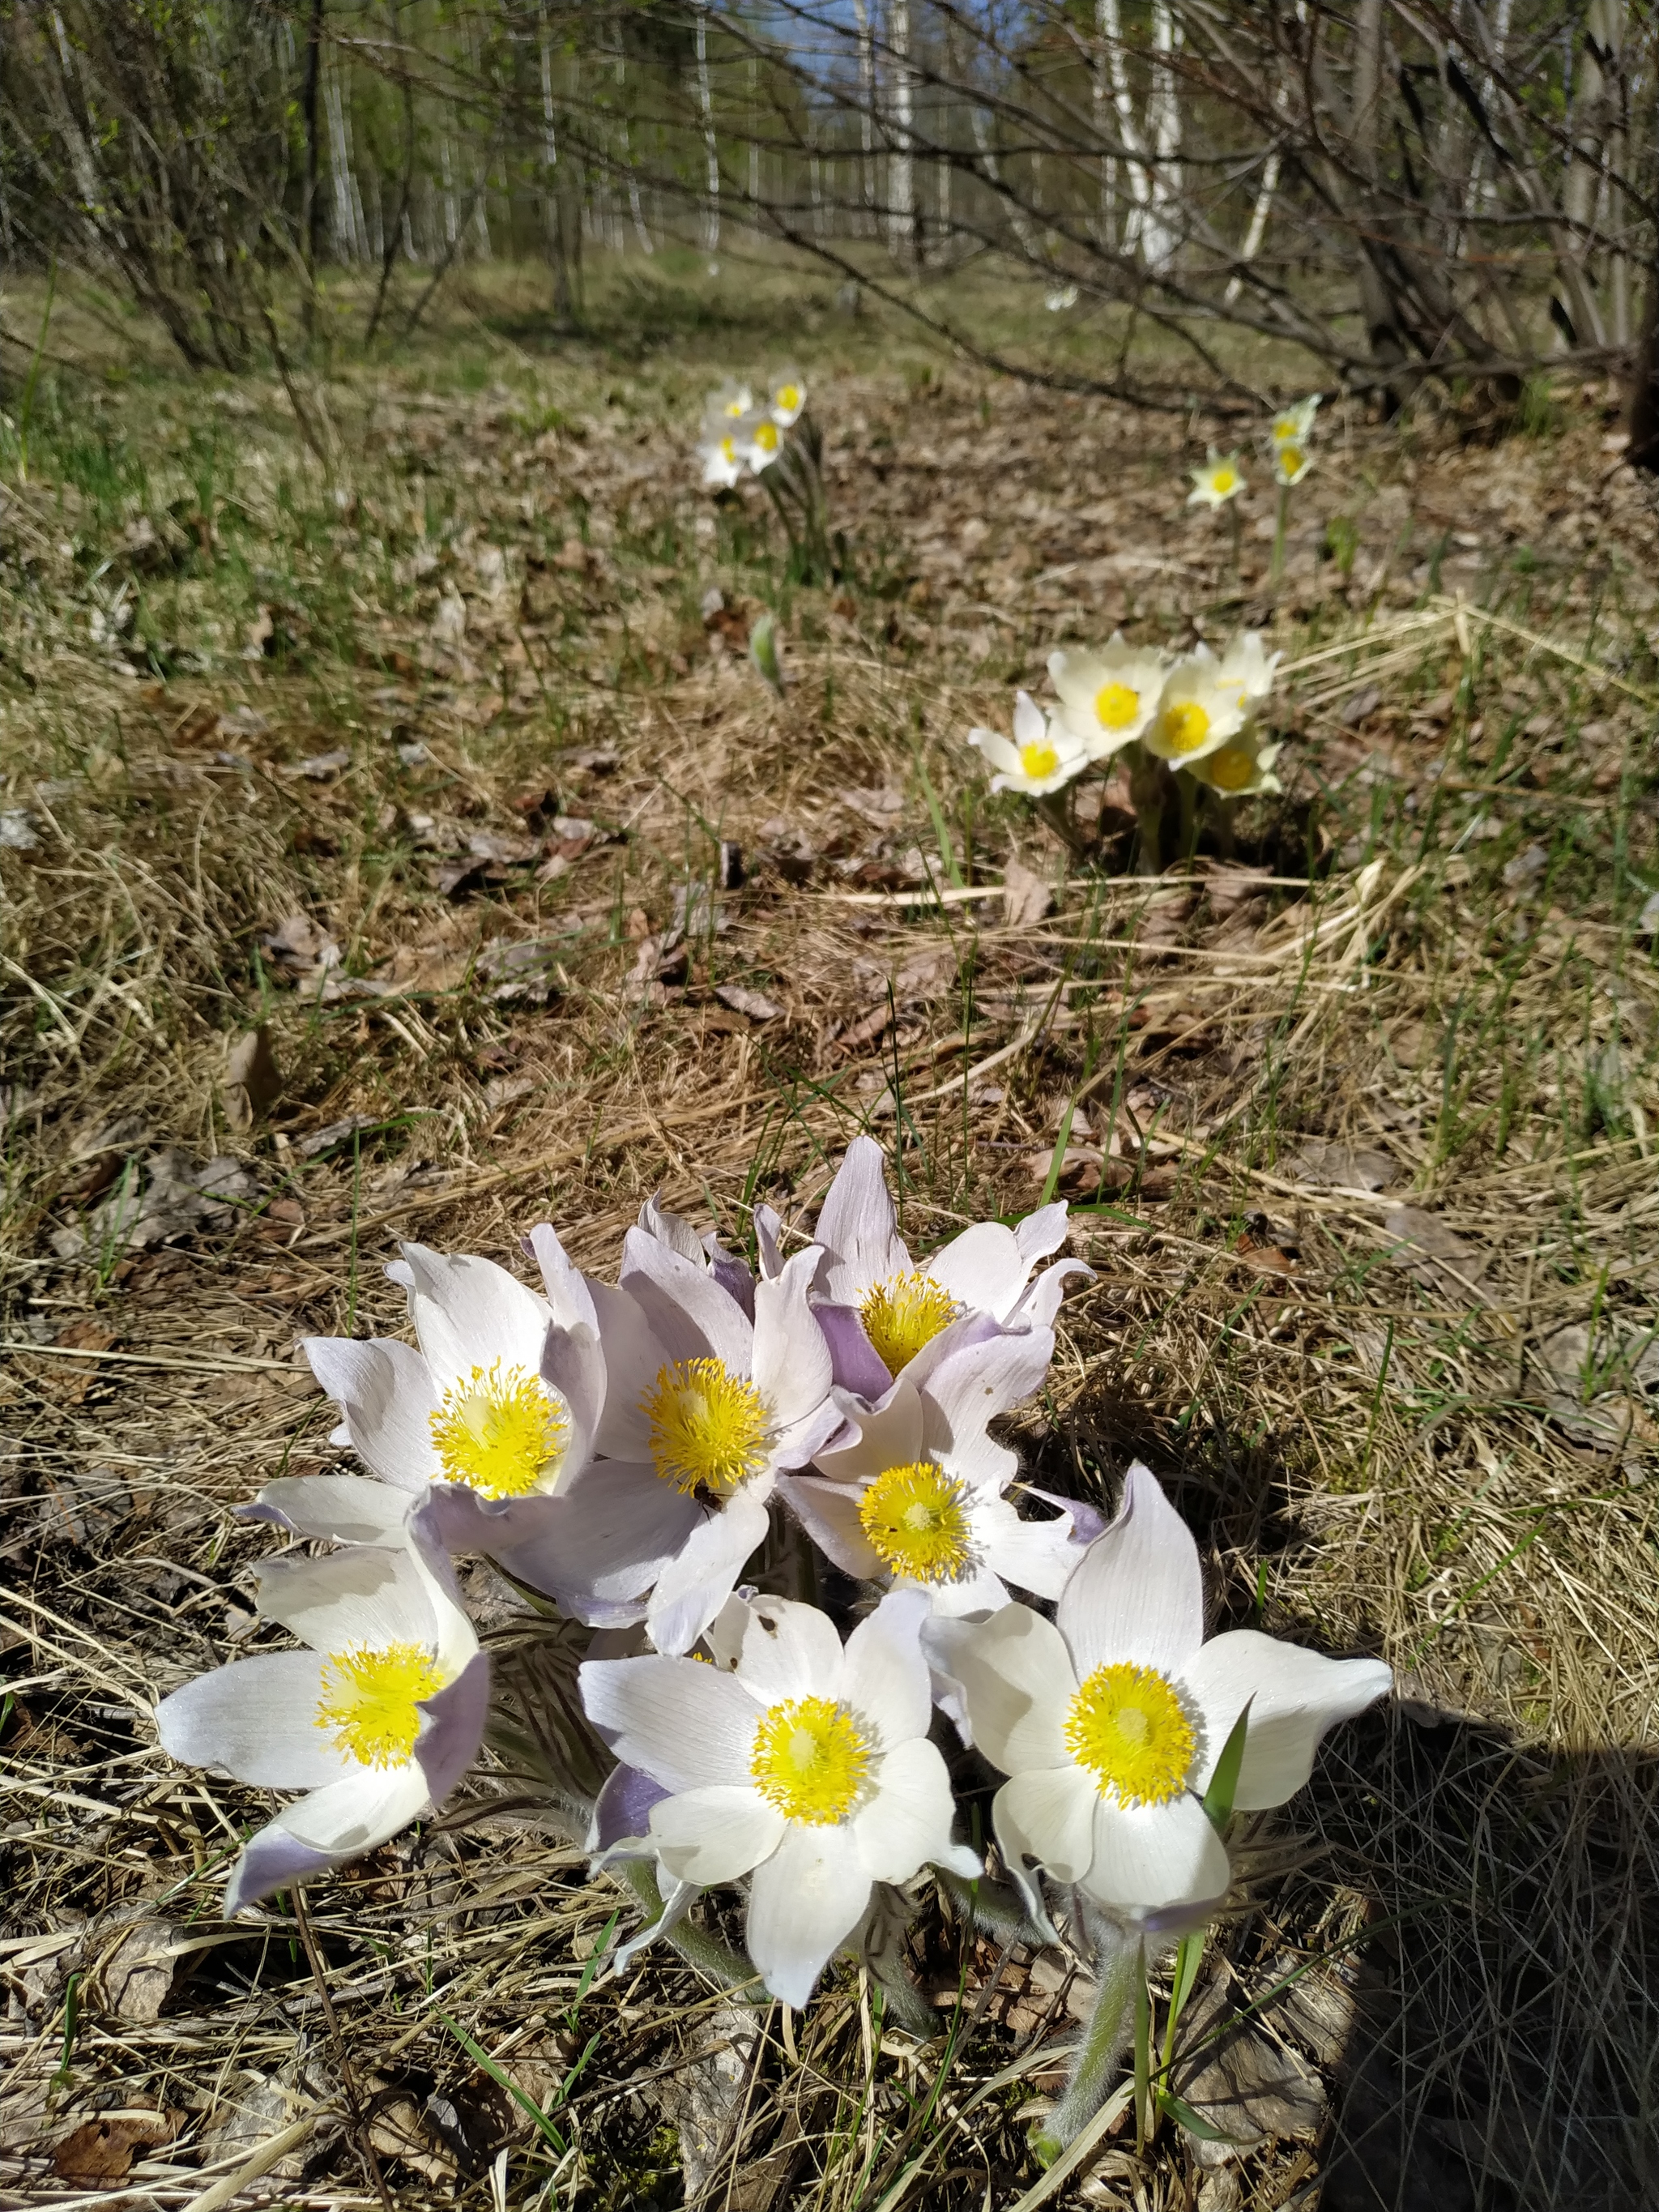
1193	711
743	435
627	1449
1222	478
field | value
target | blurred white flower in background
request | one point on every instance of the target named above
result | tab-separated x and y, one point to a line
1043	756
1219	480
1058	302
1292	426
787	398
1247	665
1242	767
1291	461
722	464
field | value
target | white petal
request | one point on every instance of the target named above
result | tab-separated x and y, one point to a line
1018	1681
984	1268
345	1508
684	1725
573	1364
1030	724
691	1589
365	1808
974	1386
257	1719
606	1538
908	1821
1297	1695
714	1835
1047	1815
886	1680
983	1592
1037	1556
789	1650
633	1360
792	1370
804	1903
996	749
470	1313
1042	1232
691	1315
1137	1593
1148	1857
828	1512
385	1391
856	1225
1040	1302
361	1596
886	1435
568	1298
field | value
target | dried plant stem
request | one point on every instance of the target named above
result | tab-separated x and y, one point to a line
1123	1972
1187	792
342	2055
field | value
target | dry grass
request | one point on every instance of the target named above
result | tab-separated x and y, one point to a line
1428	1434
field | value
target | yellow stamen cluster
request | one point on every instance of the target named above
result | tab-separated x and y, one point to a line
369	1700
708	1427
811	1759
766	437
916	1519
788	395
1224	480
500	1432
1116	706
903	1314
1127	1726
1039	759
1186	726
1231	769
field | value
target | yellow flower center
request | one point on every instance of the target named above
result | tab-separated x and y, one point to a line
738	404
766	437
708	1428
500	1432
1284	427
1231	770
729	450
810	1760
1116	706
903	1314
1186	726
1223	481
1038	760
916	1519
1291	459
1127	1726
369	1700
789	396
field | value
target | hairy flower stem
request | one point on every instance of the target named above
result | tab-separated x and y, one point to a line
1277	571
1187	791
1123	1972
729	1968
1237	521
1148	781
1055	809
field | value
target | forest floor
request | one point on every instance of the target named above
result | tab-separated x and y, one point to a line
405	717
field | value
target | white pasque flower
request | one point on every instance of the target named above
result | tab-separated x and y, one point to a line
502	1397
377	1721
1197	712
787	398
1294	426
1247	668
1107	698
1109	1724
1219	480
722	462
759	440
704	1406
912	1495
729	402
807	1767
1291	461
1043	755
1242	767
880	1309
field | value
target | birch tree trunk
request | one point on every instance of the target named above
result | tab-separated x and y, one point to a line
900	166
866	51
711	237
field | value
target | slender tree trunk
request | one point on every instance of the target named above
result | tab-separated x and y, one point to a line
311	209
866	113
710	141
900	166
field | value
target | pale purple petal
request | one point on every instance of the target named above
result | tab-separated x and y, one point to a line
622	1811
1087	1521
876	1437
714	1834
804	1901
1041	1233
568	1298
691	1315
385	1391
603	1541
794	1445
907	1822
257	1719
885	1678
792	1366
452	1728
364	1808
692	1588
769	1242
1138	1593
1148	1858
974	1385
828	1512
633	1357
789	1650
1294	1695
670	1228
273	1859
856	1225
573	1363
984	1268
733	1272
854	1361
684	1725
